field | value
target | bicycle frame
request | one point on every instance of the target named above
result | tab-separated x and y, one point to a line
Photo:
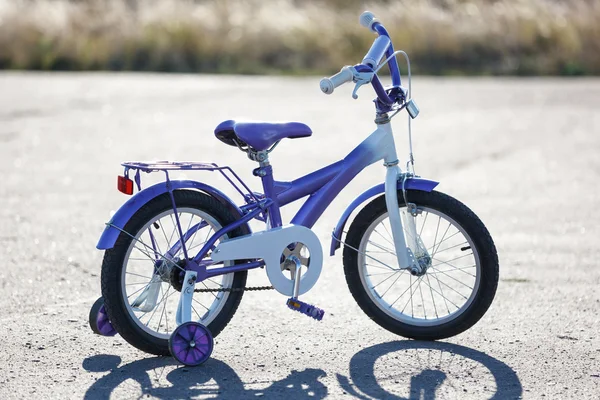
322	187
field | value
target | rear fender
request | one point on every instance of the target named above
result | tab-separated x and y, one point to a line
127	210
424	185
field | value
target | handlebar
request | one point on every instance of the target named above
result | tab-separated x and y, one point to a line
382	46
377	51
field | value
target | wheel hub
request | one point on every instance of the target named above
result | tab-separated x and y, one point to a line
424	263
176	275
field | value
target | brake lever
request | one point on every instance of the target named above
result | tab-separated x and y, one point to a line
360	78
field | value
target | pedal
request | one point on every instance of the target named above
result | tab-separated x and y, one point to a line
306	309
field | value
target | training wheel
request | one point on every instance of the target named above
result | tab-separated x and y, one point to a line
191	343
99	319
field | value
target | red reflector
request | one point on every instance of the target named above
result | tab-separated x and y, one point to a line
125	185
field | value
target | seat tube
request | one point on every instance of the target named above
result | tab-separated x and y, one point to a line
391	195
265	172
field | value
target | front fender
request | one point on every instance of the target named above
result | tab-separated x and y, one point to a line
127	210
424	185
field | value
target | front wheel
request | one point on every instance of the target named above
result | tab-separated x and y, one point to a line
452	294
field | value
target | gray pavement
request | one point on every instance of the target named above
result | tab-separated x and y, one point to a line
522	153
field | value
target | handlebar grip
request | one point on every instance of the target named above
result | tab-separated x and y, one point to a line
367	19
377	51
329	84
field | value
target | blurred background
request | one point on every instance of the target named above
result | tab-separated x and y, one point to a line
443	37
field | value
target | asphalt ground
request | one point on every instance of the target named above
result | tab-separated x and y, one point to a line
522	153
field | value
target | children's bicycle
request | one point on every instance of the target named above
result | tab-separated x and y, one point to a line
177	254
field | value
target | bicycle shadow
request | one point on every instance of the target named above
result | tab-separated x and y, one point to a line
473	371
214	378
429	370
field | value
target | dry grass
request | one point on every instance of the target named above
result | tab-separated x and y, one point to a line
546	37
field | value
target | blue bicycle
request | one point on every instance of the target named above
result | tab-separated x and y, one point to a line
177	254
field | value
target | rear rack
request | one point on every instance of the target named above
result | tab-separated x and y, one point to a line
166	166
152	166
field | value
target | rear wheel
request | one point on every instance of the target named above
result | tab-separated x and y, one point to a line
141	285
456	289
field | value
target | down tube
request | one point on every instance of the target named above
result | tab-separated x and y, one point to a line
372	149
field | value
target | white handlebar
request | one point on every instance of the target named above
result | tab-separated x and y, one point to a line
329	84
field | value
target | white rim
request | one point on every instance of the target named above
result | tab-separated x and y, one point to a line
443	293
138	269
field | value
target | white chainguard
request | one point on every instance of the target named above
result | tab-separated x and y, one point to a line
270	245
146	301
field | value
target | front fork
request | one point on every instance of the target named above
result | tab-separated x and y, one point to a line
414	256
403	253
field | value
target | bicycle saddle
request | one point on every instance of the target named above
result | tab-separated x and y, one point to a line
259	135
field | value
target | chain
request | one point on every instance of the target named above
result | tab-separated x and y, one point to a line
249	289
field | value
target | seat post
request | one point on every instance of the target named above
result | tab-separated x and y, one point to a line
265	172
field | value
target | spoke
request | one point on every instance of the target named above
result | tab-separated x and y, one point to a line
158	304
136	283
156	307
451	277
380	267
381	247
442	292
455	269
197	313
143	252
451	247
380	262
181	236
190	246
449	237
454	290
198	245
157	251
407	289
448	262
216	283
214	295
443	236
384	238
373	287
444	296
139	290
436	233
381	273
165	234
422	300
410	300
393	283
174	223
386	230
162	312
141	276
207	309
432	299
425	220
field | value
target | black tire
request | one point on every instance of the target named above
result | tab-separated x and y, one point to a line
114	259
474	228
93	315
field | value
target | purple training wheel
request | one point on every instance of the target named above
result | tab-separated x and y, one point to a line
191	343
99	319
